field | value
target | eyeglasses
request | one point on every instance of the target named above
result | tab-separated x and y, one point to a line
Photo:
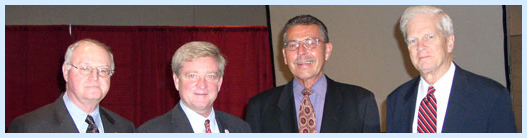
308	43
103	72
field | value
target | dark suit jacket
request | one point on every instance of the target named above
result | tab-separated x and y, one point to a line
175	121
347	109
55	118
476	104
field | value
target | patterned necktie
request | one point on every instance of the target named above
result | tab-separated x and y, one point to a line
92	128
427	113
207	126
306	115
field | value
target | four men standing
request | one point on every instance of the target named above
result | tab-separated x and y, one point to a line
444	98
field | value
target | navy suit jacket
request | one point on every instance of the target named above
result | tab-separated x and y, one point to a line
347	109
55	118
176	121
476	105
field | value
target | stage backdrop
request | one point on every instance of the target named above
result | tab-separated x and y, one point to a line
142	86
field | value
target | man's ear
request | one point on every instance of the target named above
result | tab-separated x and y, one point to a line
176	81
219	83
329	49
450	43
65	72
285	55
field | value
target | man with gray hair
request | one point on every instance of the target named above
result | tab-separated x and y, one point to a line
198	74
87	69
311	102
444	98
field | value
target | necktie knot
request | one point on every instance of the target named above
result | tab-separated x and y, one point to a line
431	90
307	91
92	127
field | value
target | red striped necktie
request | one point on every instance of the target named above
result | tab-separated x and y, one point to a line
427	113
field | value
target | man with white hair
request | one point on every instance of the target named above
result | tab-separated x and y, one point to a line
444	98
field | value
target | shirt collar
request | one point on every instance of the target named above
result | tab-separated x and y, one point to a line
197	121
79	116
443	84
318	88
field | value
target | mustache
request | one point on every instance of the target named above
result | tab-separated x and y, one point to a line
304	60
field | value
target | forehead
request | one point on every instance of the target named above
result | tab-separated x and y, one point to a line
90	52
422	23
302	31
201	64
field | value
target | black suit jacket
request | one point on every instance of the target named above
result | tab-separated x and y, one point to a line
476	104
55	118
175	121
347	109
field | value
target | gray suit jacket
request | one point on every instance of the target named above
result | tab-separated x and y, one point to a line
55	118
175	121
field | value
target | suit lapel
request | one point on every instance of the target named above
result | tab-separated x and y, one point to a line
180	121
286	104
107	121
219	120
332	106
407	117
62	119
457	101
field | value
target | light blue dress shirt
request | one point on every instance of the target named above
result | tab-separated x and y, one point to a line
79	116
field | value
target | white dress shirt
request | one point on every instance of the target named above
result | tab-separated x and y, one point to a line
79	116
197	121
442	93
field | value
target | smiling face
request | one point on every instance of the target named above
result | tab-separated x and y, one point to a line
90	88
430	51
306	64
198	84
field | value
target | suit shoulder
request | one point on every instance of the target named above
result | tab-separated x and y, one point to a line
272	93
118	118
404	88
36	118
352	89
484	84
483	81
234	122
229	117
155	124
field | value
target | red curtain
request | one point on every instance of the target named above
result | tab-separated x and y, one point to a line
142	86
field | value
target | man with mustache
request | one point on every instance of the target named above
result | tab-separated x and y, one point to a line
311	102
444	98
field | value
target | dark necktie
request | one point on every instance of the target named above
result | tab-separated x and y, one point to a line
427	113
306	115
92	128
207	126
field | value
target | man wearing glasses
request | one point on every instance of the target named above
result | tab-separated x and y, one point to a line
87	69
311	102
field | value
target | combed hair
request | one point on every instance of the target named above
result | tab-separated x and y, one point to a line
444	24
196	49
306	20
71	48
